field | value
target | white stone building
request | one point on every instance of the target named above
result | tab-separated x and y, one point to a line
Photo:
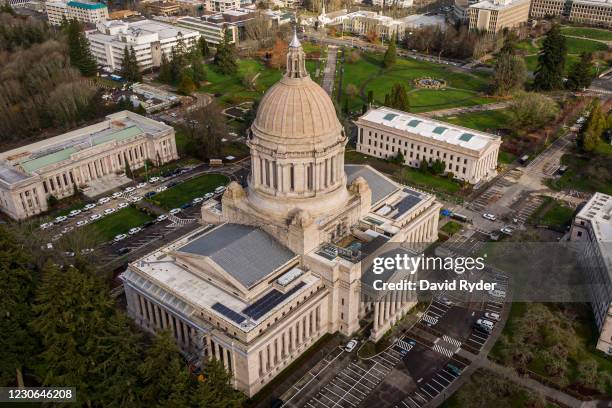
593	226
83	11
221	5
469	154
283	266
83	158
150	39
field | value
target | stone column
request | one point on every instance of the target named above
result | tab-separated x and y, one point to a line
286	343
151	315
376	313
392	305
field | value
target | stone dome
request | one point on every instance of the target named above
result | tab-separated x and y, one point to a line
295	109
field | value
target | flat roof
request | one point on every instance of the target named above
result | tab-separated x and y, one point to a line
86	5
140	28
429	128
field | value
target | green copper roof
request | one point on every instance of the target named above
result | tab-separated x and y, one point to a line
34	164
89	6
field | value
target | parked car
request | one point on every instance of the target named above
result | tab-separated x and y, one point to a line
82	222
74	213
489	216
197	200
89	206
174	211
123	251
109	211
494	235
123	205
153	180
86	251
161	188
208	195
494	317
150	194
453	369
350	346
485	324
135	199
61	218
129	189
186	205
134	230
507	230
497	293
141	185
174	183
46	225
148	224
117	194
161	218
119	237
219	189
104	200
95	217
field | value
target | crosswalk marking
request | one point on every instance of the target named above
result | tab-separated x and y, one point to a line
429	319
451	341
442	350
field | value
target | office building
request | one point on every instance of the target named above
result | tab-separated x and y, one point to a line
593	227
493	16
590	12
85	159
150	39
86	12
468	154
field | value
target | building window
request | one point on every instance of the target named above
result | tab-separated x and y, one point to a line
292	177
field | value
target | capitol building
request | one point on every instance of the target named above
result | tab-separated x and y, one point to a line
279	264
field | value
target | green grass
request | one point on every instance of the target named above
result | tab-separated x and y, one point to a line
527	47
552	213
585	173
603	148
117	223
486	121
367	74
506	157
578	45
592	33
451	228
185	192
230	87
407	175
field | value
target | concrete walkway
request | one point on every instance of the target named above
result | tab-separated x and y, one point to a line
329	74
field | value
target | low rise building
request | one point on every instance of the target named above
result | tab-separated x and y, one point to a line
367	22
83	159
593	226
591	12
83	11
493	16
221	5
163	8
150	40
396	3
468	154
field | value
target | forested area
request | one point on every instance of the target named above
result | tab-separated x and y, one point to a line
60	327
42	85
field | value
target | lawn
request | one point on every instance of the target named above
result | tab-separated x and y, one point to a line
230	87
405	174
585	173
368	74
552	213
592	33
506	157
120	222
578	45
486	121
451	228
184	192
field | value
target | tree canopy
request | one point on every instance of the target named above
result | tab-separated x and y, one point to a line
398	98
551	61
390	56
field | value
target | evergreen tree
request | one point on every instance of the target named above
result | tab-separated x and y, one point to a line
186	87
216	391
225	58
198	73
164	376
581	73
129	66
591	134
398	98
203	47
78	49
165	71
510	71
17	285
551	61
391	54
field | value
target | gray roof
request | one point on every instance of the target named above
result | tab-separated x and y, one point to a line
11	175
247	253
380	185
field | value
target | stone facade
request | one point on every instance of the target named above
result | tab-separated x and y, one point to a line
29	175
300	216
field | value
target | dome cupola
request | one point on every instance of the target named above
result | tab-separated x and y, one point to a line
297	145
